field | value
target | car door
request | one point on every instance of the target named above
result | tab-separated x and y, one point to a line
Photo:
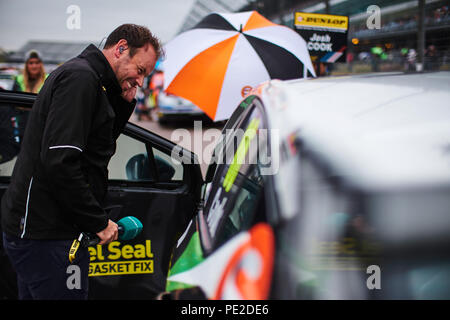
144	181
232	223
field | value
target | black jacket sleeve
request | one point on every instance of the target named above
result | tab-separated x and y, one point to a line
65	136
123	110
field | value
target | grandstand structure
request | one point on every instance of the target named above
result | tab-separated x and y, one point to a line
405	24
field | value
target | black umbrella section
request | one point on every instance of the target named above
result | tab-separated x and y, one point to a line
280	63
215	21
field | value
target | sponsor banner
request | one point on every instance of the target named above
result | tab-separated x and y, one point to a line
120	267
325	35
120	259
317	21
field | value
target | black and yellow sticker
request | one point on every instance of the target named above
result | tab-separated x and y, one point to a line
316	20
118	259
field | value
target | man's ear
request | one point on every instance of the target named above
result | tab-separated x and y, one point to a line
120	47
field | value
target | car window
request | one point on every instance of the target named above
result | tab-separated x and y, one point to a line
168	169
237	186
246	194
234	122
13	121
132	162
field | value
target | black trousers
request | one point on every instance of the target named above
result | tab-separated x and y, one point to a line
44	271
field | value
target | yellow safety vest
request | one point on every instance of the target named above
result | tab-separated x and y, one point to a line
20	79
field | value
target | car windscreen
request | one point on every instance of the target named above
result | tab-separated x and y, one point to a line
238	182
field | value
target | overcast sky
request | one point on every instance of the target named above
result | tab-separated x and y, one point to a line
24	20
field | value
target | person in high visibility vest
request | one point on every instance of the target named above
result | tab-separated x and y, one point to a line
30	80
33	76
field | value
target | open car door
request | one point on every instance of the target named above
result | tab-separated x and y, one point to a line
145	181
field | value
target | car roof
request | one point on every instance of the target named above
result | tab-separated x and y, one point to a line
379	131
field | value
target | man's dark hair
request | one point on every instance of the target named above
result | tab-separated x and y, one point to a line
136	36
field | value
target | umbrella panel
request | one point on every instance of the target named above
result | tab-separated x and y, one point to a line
200	80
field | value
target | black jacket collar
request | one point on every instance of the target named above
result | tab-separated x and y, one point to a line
99	63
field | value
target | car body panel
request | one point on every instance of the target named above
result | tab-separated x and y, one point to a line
192	255
7	79
242	268
356	130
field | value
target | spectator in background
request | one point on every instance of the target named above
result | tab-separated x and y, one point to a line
321	68
141	109
411	60
156	86
375	58
350	58
31	80
431	58
33	76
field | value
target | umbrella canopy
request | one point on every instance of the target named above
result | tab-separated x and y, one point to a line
215	63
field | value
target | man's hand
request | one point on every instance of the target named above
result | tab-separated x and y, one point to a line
129	94
110	233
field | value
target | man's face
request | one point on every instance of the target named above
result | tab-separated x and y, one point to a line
131	71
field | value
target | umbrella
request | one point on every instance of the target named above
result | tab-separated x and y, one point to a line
215	63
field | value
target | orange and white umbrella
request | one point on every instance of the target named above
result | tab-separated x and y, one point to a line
215	63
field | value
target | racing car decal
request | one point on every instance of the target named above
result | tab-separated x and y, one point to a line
240	269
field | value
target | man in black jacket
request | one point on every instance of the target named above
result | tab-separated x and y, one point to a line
60	178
